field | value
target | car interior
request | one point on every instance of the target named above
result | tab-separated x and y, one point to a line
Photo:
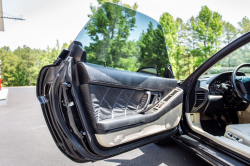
219	105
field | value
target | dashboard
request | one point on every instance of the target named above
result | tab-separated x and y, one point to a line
208	96
215	84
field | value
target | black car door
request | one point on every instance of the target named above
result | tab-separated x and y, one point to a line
94	103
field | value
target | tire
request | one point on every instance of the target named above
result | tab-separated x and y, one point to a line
164	142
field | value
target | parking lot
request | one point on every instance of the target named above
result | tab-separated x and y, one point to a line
25	139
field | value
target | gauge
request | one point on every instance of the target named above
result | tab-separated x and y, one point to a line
216	84
212	89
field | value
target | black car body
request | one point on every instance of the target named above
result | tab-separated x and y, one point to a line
95	111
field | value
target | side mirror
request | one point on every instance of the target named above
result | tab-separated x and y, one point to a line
168	72
149	70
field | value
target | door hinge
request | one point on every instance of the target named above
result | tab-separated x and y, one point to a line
67	102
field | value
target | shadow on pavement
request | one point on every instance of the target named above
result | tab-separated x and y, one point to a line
154	155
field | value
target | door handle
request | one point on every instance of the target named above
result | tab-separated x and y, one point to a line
157	97
147	102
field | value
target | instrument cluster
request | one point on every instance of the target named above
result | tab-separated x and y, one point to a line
215	86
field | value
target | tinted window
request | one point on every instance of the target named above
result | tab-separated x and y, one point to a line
124	39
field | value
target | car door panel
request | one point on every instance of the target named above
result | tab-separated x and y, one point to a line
104	116
113	110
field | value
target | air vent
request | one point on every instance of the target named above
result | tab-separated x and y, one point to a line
200	97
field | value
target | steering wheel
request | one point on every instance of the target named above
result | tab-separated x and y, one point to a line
241	81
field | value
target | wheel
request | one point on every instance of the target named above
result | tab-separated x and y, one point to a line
164	142
242	90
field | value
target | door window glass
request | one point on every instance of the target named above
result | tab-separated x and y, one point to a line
124	39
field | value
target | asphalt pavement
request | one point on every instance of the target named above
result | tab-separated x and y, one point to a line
25	140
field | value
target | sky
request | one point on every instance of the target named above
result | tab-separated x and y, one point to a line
49	20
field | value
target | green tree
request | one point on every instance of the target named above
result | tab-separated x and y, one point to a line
21	66
206	34
101	2
109	30
175	37
27	67
170	28
244	25
8	67
230	32
208	28
153	49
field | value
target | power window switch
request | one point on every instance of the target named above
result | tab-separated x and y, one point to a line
229	134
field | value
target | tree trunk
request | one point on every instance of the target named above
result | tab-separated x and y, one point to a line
30	78
29	73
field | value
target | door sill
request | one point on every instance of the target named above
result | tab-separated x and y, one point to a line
207	153
194	124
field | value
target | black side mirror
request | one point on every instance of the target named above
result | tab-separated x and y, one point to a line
168	72
149	70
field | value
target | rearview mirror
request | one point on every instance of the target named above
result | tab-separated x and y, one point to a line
149	70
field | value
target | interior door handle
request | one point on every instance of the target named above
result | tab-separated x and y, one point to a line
147	102
157	97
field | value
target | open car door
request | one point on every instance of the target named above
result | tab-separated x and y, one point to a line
102	108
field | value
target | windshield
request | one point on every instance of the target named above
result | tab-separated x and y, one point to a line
125	39
230	62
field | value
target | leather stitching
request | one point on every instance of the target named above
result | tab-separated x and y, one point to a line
115	103
139	101
101	104
127	104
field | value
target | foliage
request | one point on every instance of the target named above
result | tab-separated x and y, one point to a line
109	38
118	2
230	32
21	66
189	44
192	43
244	25
109	31
153	49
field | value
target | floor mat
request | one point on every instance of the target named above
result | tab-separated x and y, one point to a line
212	127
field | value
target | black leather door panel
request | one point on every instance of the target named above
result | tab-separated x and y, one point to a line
117	109
110	105
100	75
123	121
